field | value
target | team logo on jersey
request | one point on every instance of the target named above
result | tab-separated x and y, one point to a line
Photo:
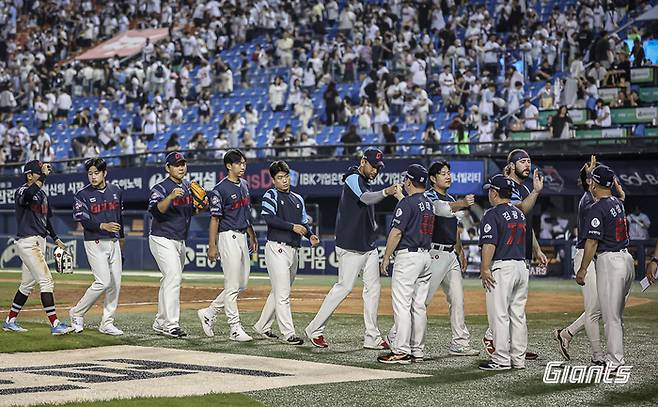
155	195
596	222
92	199
297	206
215	200
398	213
77	206
487	228
114	196
282	202
234	196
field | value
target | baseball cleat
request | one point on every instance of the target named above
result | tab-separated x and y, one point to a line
489	347
12	327
269	335
598	362
463	351
207	323
158	329
319	342
174	333
493	366
395	359
110	330
380	346
238	334
60	329
531	355
563	344
294	340
77	323
417	359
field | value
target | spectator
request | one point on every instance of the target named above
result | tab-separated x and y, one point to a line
603	118
547	97
47	153
381	115
304	109
389	138
331	103
41	112
172	143
251	118
560	124
64	104
530	115
127	149
220	145
204	109
638	225
431	140
277	93
244	71
364	114
447	83
486	131
307	145
149	123
350	138
638	53
597	74
248	144
235	128
459	127
514	97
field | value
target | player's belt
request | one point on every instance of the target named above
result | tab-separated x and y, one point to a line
284	243
237	230
443	247
611	251
411	250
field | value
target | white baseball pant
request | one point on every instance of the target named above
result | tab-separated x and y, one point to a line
615	275
589	319
350	264
170	257
104	258
236	263
409	287
447	274
506	312
34	269
282	262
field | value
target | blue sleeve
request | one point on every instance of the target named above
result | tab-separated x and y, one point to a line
516	196
157	194
489	229
401	215
305	219
353	181
81	214
24	195
216	203
269	203
121	231
593	227
276	222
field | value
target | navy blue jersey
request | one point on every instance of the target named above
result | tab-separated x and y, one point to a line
92	206
355	221
175	222
605	221
414	216
519	193
231	203
504	226
33	212
445	229
586	201
281	211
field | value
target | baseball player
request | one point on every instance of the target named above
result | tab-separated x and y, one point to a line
518	170
171	207
504	275
33	218
606	231
356	251
448	260
227	241
287	222
652	267
410	238
98	207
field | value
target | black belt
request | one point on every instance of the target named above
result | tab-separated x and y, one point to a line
414	249
611	251
284	243
237	230
443	247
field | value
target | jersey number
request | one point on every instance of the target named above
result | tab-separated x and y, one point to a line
427	225
621	229
518	230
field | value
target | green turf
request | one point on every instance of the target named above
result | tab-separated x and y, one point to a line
210	400
453	380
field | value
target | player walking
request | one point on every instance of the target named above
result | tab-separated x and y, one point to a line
589	319
606	231
410	238
447	254
227	241
33	218
518	170
355	250
504	275
171	208
287	222
98	207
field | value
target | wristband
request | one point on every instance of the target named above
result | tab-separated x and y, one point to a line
654	260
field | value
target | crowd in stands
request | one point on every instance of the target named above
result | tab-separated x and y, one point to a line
411	59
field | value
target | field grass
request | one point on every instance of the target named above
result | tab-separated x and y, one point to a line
453	381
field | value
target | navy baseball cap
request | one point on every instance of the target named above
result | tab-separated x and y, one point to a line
416	173
499	182
603	176
174	157
375	157
33	167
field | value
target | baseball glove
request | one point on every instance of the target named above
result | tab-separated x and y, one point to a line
63	261
199	196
